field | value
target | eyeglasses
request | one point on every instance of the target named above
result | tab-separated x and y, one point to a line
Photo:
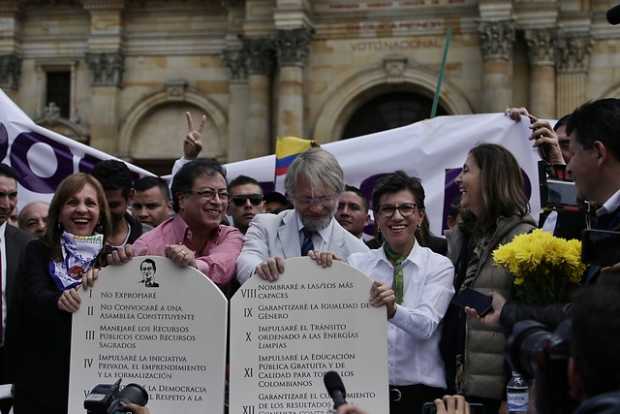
316	200
242	199
210	193
405	210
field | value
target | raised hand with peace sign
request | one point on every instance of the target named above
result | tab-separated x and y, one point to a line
192	144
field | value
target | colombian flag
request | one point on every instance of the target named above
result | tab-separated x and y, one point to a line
287	149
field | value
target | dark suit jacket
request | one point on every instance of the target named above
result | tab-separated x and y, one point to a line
137	228
15	244
44	340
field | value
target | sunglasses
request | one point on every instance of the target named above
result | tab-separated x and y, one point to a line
241	200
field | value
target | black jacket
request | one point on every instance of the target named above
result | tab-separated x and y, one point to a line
44	341
136	228
608	403
15	245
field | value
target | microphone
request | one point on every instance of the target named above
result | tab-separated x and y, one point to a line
613	15
335	388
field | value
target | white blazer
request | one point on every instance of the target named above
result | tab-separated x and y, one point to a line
271	235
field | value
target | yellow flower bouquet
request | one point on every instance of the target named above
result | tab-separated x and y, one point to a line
545	267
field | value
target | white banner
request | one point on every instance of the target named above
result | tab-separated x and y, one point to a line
433	150
42	157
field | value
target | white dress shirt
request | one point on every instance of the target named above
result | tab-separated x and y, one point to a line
611	205
413	331
320	238
271	235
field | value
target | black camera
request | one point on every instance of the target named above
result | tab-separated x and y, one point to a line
109	398
537	353
556	193
600	247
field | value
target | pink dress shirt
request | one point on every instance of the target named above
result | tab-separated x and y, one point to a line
216	259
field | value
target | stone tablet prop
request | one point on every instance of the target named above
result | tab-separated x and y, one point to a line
286	334
155	324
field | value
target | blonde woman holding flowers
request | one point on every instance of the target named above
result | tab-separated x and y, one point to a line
494	209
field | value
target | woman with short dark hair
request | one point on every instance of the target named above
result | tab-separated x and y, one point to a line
415	285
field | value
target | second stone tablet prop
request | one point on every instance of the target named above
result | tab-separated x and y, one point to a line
286	334
155	324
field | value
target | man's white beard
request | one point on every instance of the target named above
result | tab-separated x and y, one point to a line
317	224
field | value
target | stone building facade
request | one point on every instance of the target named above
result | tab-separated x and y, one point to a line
323	69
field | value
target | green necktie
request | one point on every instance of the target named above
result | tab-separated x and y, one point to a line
396	260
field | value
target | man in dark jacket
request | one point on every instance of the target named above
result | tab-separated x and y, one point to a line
594	133
116	180
594	368
12	245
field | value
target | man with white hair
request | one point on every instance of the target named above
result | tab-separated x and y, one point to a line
313	183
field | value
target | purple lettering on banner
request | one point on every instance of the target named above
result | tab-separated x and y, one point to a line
19	160
367	187
4	141
87	163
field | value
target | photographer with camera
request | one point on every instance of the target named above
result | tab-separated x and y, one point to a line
594	368
449	404
112	399
594	133
576	367
562	214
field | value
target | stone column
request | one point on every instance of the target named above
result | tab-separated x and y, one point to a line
572	63
10	46
496	43
107	69
10	72
260	60
235	60
541	52
106	61
293	48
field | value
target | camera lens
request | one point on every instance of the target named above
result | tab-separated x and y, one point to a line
526	346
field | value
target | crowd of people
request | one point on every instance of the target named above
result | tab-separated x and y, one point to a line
232	231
